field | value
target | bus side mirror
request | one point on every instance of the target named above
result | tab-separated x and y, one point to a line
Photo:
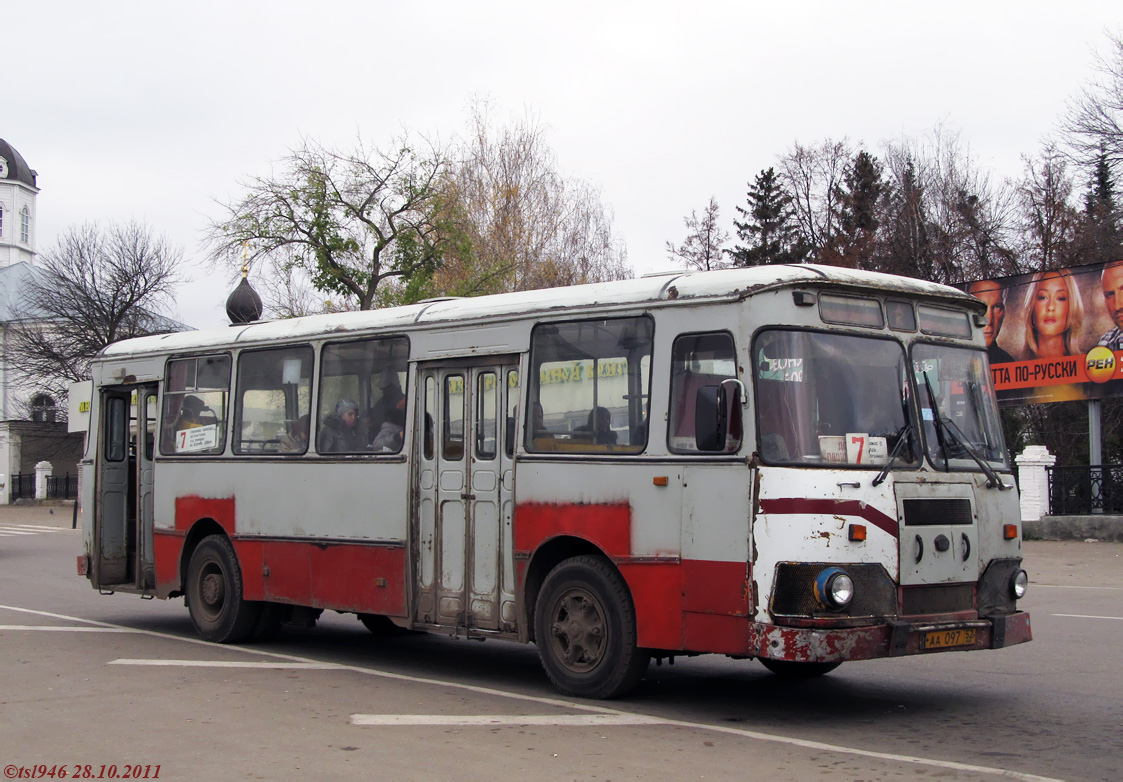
710	419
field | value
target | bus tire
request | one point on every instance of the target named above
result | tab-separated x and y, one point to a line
585	629
381	626
214	593
789	669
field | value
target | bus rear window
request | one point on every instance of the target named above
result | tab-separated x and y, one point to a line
944	323
850	311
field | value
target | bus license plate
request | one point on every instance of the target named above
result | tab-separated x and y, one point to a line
945	639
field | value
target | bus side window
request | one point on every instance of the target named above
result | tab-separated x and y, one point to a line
274	401
196	392
697	361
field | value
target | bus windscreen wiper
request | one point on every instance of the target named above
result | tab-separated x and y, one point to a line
946	430
903	434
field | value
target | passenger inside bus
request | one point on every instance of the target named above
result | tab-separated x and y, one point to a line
600	425
189	413
296	441
340	431
392	399
389	437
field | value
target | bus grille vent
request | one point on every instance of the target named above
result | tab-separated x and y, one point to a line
937	599
939	512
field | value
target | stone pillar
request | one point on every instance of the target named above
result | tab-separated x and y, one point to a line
43	471
1034	481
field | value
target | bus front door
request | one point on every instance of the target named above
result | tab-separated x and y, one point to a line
462	530
123	553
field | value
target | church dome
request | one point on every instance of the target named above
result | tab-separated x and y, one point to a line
13	167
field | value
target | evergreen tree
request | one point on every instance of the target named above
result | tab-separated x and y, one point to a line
908	247
767	233
1102	239
859	216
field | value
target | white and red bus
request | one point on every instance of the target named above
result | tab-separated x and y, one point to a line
799	464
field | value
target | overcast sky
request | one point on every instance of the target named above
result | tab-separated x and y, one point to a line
152	110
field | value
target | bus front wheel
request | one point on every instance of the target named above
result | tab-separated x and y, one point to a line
214	593
585	629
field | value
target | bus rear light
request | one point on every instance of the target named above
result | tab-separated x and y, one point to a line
1009	531
856	532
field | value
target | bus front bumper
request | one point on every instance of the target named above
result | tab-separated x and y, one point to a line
895	638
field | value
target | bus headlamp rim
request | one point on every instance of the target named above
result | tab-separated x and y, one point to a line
1019	584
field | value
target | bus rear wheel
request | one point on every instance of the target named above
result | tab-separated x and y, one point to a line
214	593
789	669
585	629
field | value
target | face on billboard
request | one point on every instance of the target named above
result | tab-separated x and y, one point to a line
1050	306
1113	292
990	293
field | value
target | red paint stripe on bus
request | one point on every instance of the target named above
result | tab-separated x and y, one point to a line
607	526
791	505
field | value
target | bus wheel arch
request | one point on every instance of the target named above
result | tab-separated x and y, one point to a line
585	626
215	598
545	558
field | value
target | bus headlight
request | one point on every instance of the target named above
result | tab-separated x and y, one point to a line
834	588
1018	584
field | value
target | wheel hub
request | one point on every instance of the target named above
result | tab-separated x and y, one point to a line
579	630
213	589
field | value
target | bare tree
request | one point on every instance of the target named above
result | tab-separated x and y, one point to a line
516	222
344	221
813	176
704	247
1093	123
1048	218
95	287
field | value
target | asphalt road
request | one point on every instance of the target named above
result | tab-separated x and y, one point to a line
90	681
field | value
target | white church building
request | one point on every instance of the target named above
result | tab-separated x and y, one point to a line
30	429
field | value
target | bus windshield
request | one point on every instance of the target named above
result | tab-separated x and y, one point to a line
958	407
832	400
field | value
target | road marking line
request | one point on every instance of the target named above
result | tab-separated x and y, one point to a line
58	629
576	706
560	720
7	531
1071	586
36	527
223	664
1086	616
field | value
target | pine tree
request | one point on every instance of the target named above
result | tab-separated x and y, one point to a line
859	218
1102	239
767	233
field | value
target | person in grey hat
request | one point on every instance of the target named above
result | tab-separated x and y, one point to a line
340	431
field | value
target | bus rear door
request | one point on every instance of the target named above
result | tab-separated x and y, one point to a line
123	508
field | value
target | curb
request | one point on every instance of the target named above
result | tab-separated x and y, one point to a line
1097	527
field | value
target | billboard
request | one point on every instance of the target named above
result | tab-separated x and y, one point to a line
1055	336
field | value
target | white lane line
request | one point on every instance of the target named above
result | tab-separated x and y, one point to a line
222	664
34	527
559	720
577	706
7	531
60	629
1086	616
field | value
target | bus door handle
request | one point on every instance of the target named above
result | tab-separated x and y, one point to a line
854	484
467	496
966	546
919	548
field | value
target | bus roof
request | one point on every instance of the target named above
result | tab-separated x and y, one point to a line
671	288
